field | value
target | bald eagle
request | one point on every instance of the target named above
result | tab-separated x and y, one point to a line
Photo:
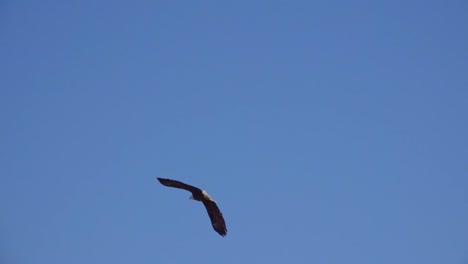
216	217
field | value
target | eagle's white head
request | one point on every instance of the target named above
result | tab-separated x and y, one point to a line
207	196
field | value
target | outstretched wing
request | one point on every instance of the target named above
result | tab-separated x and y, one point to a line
216	217
178	184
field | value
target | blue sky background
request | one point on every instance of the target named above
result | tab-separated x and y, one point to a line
328	131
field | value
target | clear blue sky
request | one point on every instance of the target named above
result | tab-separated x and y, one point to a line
328	131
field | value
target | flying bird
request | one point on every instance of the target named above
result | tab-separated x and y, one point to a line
216	217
